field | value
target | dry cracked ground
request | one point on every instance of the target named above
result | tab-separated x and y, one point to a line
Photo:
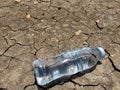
31	29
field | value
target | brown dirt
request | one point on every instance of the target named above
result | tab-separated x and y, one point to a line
31	29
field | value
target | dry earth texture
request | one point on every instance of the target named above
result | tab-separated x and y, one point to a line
31	29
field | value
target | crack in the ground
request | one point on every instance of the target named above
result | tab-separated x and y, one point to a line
11	57
88	85
112	63
115	42
7	66
35	53
26	86
37	49
99	27
7	49
103	87
12	46
58	46
23	44
6	39
88	40
88	37
81	85
44	1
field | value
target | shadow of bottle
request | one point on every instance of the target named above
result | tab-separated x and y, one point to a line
3	89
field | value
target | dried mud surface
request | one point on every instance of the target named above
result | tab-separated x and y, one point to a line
31	29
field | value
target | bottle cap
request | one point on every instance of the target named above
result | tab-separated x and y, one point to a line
101	51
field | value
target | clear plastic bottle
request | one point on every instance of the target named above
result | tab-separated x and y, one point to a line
54	69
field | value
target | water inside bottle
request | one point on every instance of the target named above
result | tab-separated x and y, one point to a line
66	67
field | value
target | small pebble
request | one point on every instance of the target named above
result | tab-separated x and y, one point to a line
85	43
81	86
32	34
28	16
78	32
97	21
17	0
65	25
35	1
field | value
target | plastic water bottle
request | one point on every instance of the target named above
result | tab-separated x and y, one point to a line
49	71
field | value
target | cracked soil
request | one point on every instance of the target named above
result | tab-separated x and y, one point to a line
31	29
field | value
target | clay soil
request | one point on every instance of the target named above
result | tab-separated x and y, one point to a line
31	29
